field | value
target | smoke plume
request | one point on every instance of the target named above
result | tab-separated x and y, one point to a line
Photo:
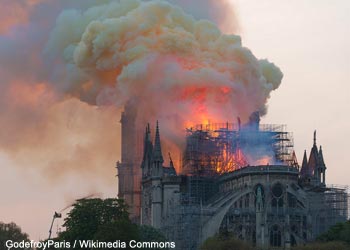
63	103
175	68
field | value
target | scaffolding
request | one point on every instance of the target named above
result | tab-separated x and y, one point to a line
182	224
328	206
183	220
218	148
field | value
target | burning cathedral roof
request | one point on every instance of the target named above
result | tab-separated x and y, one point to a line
226	147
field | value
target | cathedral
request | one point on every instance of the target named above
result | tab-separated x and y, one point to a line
241	179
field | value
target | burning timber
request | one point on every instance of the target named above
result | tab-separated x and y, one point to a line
222	148
243	179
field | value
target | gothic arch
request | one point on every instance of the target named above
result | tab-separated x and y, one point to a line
212	225
275	236
277	195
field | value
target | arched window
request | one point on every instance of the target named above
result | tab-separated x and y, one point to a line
275	236
277	195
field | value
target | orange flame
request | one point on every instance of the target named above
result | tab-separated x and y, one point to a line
231	161
264	161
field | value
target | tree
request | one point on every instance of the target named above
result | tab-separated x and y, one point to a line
338	232
12	232
150	234
122	230
104	221
337	237
225	242
90	217
333	245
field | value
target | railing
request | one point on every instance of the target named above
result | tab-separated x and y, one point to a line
229	126
263	169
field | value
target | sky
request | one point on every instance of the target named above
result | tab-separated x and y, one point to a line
308	40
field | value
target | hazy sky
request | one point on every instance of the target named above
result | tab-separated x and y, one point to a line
308	40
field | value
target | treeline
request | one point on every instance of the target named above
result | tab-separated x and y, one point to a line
103	220
336	238
108	221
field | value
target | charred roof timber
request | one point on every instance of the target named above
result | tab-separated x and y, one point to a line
225	147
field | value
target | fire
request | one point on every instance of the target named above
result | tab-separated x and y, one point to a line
231	161
267	160
234	161
218	148
199	118
198	108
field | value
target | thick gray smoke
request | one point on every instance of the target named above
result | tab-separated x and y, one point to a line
179	68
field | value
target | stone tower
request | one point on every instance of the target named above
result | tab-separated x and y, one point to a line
157	174
313	171
129	171
152	174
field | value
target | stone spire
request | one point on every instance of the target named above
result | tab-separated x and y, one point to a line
321	167
157	152
320	158
304	167
314	170
313	159
147	140
315	138
156	179
147	153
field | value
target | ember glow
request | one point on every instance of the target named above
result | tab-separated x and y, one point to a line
219	148
267	160
231	161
